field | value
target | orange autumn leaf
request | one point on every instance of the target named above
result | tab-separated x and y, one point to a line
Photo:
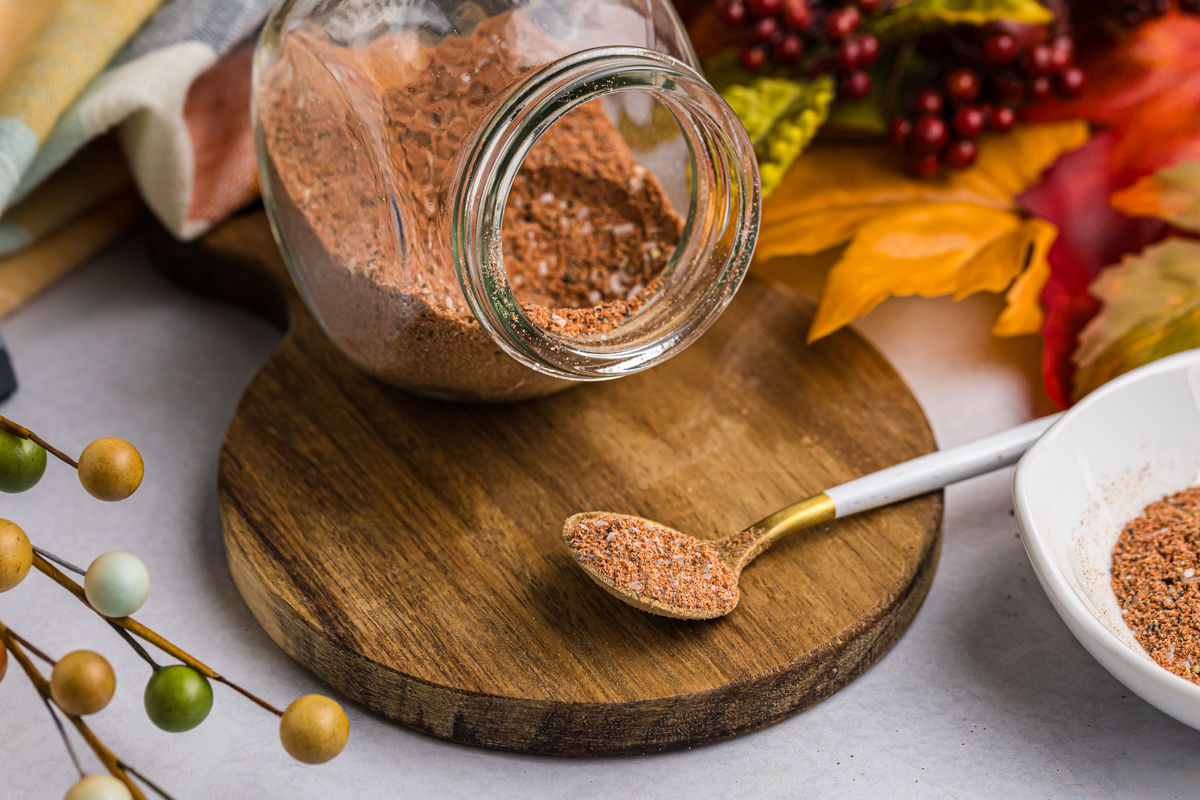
1023	313
1172	194
916	249
957	235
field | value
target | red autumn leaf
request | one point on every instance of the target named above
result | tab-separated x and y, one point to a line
1073	195
1146	94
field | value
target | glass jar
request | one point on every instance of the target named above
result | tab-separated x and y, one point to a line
490	199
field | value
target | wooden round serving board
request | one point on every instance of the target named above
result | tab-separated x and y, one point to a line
408	552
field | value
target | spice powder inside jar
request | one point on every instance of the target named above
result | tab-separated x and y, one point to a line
587	230
1156	578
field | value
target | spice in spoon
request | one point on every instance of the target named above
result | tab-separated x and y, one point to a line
667	572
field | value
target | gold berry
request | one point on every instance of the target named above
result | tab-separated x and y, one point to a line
82	683
110	469
16	555
314	729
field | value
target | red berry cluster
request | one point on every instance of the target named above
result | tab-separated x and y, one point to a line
821	39
991	72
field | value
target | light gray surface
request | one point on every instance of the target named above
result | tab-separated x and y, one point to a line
988	695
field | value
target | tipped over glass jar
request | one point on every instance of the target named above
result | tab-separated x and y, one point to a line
486	200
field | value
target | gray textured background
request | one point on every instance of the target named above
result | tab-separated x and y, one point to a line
987	696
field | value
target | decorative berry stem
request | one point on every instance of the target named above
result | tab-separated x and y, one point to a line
137	648
21	641
60	561
20	431
145	780
891	90
142	632
42	686
62	732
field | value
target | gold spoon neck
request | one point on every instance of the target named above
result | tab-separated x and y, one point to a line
738	550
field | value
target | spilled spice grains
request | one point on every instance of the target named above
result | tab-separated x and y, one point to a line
1157	583
655	563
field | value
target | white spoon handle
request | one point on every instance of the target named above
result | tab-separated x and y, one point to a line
937	470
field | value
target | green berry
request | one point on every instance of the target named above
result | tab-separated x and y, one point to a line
178	698
22	463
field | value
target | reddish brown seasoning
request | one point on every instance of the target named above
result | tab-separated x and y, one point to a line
1157	583
655	563
587	230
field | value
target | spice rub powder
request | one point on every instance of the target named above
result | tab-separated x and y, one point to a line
654	562
587	230
1156	578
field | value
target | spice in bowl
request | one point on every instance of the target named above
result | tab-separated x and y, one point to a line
1156	577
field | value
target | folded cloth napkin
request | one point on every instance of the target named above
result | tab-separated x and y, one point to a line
181	112
96	174
73	43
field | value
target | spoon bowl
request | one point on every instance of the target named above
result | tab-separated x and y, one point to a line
663	571
591	562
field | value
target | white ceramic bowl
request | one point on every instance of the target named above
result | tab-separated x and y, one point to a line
1124	446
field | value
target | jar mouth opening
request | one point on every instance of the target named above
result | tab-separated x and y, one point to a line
719	229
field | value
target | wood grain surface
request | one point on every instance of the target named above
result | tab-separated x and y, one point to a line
407	552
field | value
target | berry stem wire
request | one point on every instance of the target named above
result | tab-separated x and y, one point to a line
24	643
43	688
137	648
63	733
21	432
153	786
142	632
62	562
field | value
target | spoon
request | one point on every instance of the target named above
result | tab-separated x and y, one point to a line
665	572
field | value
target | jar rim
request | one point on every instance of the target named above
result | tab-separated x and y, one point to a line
718	238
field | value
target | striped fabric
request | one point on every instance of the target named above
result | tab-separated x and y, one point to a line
73	44
180	112
20	20
95	174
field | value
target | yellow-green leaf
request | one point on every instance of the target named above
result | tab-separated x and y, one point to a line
781	113
782	116
1172	194
1151	309
921	15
